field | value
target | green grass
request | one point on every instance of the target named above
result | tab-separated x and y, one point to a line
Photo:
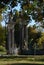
2	52
31	59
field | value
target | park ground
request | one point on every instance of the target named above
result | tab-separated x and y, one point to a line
22	60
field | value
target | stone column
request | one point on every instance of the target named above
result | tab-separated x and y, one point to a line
26	43
22	37
9	41
13	40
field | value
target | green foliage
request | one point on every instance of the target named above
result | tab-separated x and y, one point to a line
31	8
2	35
41	41
35	37
0	18
2	48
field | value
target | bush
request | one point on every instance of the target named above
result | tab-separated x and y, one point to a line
2	48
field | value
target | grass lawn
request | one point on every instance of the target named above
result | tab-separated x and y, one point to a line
39	59
2	52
